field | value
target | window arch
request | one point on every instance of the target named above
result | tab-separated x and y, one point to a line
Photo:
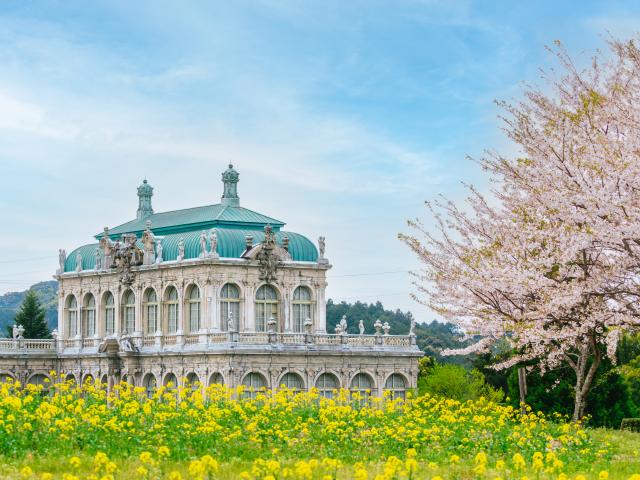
128	312
193	307
361	385
150	309
216	378
89	315
292	381
72	315
229	306
40	380
149	384
254	382
5	378
327	384
193	381
170	381
88	380
109	314
171	309
301	308
397	385
266	306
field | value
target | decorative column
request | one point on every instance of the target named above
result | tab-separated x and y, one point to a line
97	315
214	313
320	319
181	307
287	295
248	312
78	337
62	327
138	318
117	301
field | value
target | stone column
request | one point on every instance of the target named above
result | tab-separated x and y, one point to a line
99	330
139	313
247	309
117	304
287	297
181	307
215	322
320	320
62	322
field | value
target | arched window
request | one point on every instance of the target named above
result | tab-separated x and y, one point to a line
396	385
5	378
109	314
193	381
230	306
104	382
216	378
362	385
151	310
171	309
194	309
40	380
170	381
266	306
89	314
327	384
301	308
72	316
254	382
129	312
88	380
150	384
292	381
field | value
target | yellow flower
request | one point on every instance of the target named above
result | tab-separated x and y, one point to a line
437	477
74	462
142	471
26	472
163	451
174	475
604	475
500	465
46	476
635	476
581	477
145	457
454	459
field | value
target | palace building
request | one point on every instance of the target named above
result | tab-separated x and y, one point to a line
212	294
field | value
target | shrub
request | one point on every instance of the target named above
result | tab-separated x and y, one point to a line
453	381
631	424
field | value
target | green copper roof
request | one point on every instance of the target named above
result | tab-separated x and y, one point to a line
231	244
197	218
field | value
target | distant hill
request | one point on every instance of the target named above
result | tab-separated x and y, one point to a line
10	303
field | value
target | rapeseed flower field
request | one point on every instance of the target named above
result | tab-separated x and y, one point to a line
68	432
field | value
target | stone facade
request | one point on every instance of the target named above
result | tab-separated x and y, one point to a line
256	319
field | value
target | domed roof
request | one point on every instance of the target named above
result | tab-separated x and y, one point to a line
231	244
232	222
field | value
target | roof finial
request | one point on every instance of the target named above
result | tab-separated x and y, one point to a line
230	194
145	192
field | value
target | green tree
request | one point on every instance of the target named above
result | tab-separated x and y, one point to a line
31	317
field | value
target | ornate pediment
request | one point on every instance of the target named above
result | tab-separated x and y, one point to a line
126	254
269	255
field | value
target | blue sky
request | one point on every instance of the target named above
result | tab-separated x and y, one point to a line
341	117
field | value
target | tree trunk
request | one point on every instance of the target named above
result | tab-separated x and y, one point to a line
584	377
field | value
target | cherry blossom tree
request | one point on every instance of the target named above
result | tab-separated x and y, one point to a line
549	259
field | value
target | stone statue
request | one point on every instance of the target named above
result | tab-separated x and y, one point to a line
412	327
321	246
180	250
361	327
148	241
62	258
343	324
386	327
230	325
98	260
78	262
213	241
203	244
107	250
159	251
338	330
15	331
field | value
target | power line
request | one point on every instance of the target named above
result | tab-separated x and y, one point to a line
368	274
24	260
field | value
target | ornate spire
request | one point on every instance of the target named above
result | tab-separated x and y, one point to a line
145	192
230	180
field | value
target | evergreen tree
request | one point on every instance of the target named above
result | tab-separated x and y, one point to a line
31	317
